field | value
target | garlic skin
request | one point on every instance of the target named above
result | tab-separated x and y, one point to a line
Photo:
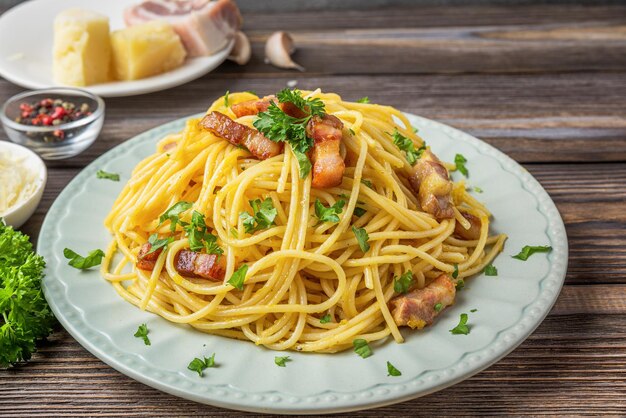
278	49
241	51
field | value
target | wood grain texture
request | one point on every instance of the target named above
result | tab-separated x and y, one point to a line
546	84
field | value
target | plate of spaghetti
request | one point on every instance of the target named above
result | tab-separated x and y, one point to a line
298	253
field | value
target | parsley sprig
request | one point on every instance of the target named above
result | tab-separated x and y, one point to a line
101	174
406	144
263	215
329	214
280	127
173	214
198	236
199	365
462	327
529	250
362	348
281	361
460	161
142	332
94	258
403	283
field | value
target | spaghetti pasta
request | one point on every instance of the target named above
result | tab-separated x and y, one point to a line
309	285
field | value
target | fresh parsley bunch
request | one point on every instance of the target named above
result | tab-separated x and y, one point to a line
24	314
280	127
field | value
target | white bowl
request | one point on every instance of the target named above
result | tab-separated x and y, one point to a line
18	214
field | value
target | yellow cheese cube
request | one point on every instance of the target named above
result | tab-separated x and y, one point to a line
144	50
82	48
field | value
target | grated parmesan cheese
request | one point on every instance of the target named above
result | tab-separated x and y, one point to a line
18	182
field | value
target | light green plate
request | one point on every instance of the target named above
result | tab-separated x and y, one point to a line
509	306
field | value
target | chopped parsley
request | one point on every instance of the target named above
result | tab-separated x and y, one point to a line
462	327
474	310
362	348
264	215
361	237
199	365
239	277
142	332
234	232
280	127
438	307
460	161
304	164
351	132
392	371
406	144
281	361
403	283
363	100
529	250
198	236
460	284
157	243
101	174
359	211
173	214
368	183
455	273
478	189
329	214
226	98
491	270
325	319
94	258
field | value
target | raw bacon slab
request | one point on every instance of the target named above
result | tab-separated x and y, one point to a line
204	26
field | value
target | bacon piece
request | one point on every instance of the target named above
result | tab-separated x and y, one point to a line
328	166
147	261
187	263
237	134
204	26
474	230
431	182
253	107
206	266
417	309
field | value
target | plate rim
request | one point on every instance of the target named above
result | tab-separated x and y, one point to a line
119	88
517	332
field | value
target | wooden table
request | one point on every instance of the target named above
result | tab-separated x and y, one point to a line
545	84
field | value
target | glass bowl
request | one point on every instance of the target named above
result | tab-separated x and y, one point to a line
59	141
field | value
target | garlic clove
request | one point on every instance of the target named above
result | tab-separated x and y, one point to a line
278	49
241	51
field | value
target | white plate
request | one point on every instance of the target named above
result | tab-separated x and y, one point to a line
510	306
26	49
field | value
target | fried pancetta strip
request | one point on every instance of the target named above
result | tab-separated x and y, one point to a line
147	261
237	134
474	230
206	266
253	107
431	182
417	309
187	263
328	166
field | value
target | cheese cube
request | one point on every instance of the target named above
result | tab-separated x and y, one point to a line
82	48
146	50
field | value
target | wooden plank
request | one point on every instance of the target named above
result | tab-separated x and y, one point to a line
533	118
570	365
485	49
591	299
